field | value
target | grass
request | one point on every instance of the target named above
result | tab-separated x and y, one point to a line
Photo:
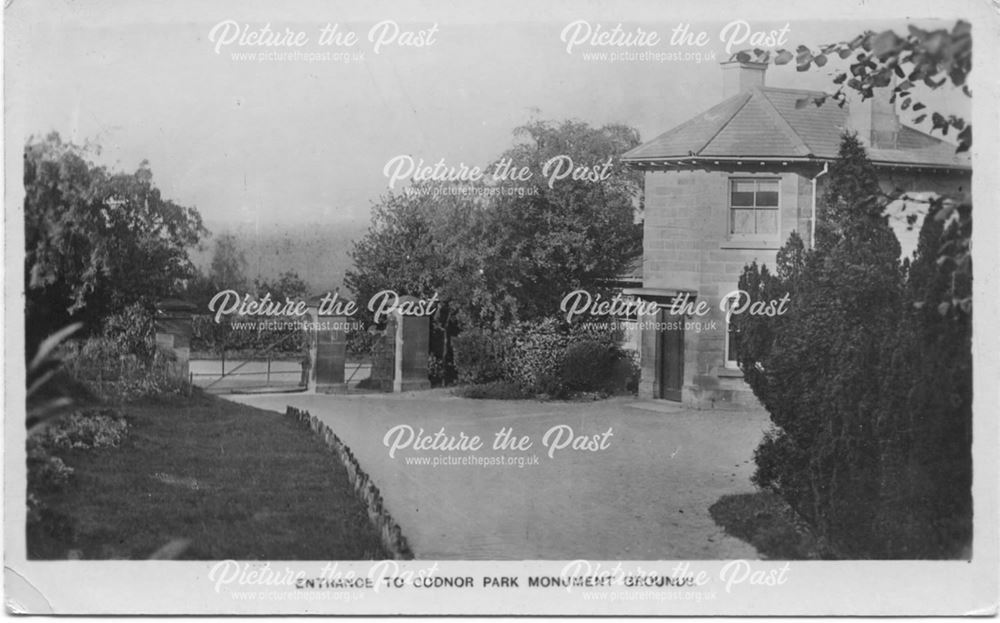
238	482
767	522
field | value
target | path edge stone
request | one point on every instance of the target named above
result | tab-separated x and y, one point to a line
389	531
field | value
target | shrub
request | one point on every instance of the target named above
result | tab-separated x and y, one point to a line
478	357
208	336
548	358
46	472
133	331
495	390
360	341
534	352
587	366
435	370
598	366
87	430
625	374
119	376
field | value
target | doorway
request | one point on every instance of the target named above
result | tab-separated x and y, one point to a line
671	356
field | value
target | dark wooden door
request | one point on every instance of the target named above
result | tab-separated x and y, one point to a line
671	359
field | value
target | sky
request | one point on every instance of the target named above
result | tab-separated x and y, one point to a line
294	142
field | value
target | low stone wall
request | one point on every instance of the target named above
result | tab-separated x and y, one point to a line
392	537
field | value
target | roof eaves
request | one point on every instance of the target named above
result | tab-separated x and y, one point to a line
810	159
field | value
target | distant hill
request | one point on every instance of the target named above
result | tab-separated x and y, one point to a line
317	251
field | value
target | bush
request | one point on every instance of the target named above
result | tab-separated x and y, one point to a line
478	357
548	358
534	352
46	472
133	331
86	430
588	366
116	375
436	370
208	336
360	341
496	390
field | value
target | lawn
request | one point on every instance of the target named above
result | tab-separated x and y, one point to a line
235	481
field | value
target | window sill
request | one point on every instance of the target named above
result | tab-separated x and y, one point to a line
729	373
770	245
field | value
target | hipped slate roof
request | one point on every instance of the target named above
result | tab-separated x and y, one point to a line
763	122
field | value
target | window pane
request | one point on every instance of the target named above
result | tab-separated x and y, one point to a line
743	222
741	193
767	221
767	199
731	345
770	186
741	199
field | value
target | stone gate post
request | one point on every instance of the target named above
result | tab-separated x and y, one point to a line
173	334
412	343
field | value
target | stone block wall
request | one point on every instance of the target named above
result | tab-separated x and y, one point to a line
687	246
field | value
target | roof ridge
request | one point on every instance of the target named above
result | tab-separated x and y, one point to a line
775	114
722	126
692	121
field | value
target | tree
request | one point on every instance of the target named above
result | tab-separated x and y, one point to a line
288	285
413	246
96	241
558	236
227	270
922	419
869	388
509	249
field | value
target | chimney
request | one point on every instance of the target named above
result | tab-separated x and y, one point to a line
875	119
738	76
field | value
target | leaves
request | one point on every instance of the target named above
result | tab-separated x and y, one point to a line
96	240
514	255
929	59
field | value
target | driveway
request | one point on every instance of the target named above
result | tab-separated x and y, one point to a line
645	496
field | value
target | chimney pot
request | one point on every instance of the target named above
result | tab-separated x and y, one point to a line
738	76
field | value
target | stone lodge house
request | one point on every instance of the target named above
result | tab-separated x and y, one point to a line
728	187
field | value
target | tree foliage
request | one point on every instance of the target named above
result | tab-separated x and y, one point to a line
287	285
536	248
511	249
227	270
96	240
869	387
929	58
923	60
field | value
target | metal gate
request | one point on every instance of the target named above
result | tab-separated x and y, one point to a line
264	369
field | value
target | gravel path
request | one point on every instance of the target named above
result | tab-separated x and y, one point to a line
644	497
